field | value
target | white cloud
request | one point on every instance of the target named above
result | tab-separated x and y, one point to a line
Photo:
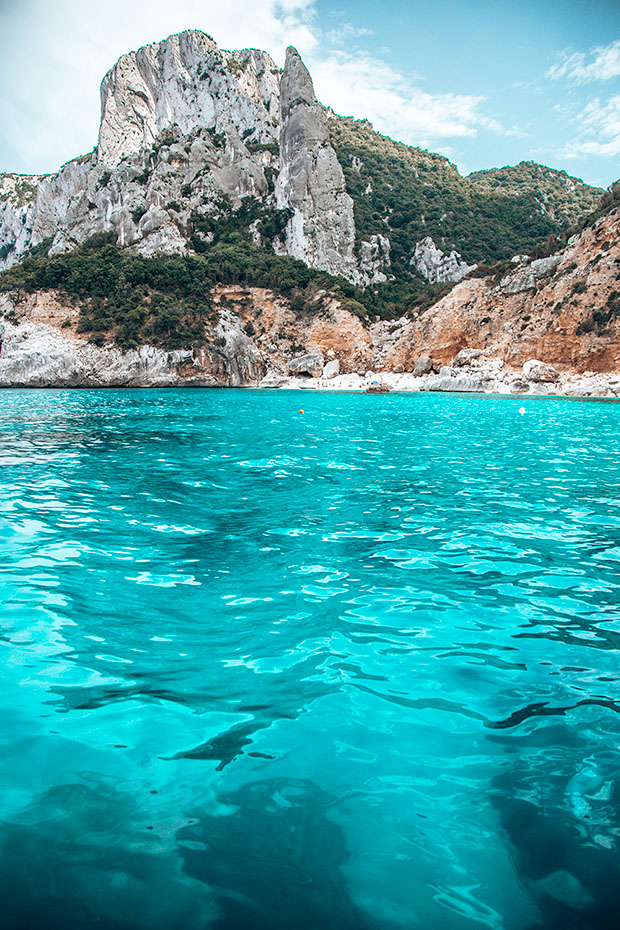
601	63
345	32
53	57
357	84
599	135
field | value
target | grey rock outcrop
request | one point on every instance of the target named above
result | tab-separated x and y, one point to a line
331	369
547	265
526	279
517	284
189	82
466	356
34	355
449	380
423	366
310	365
374	259
519	386
321	231
534	370
183	125
438	266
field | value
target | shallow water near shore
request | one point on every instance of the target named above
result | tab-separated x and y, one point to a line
356	668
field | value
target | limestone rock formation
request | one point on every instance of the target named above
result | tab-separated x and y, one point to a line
190	137
534	370
563	338
517	284
423	366
331	369
186	81
374	259
311	365
436	266
527	279
466	356
35	355
321	230
183	125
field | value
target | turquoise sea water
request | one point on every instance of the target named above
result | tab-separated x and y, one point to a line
356	668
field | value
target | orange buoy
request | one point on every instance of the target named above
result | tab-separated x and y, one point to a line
521	410
301	411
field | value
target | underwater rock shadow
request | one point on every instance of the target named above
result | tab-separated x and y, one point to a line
274	860
80	860
573	880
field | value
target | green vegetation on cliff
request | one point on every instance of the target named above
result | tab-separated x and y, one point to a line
564	199
166	299
398	191
408	193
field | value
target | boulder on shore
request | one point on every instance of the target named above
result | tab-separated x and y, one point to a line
466	356
534	370
331	369
309	366
423	366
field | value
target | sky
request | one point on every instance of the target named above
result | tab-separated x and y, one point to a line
484	82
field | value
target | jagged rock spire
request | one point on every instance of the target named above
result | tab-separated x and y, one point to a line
321	231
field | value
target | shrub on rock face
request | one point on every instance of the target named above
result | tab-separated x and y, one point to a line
534	370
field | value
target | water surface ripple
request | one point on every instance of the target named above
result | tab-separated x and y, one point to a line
356	668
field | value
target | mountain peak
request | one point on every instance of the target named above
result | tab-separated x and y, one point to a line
188	81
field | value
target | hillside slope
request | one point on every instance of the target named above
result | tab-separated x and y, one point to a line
407	194
563	199
194	139
562	311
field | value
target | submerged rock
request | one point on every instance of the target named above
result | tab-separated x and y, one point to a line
565	887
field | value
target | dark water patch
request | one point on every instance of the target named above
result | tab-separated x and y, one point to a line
544	710
274	860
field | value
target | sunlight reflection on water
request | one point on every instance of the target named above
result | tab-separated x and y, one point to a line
356	669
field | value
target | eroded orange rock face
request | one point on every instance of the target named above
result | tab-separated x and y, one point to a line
553	318
552	321
563	311
279	333
49	308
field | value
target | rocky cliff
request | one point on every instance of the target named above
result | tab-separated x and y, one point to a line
321	230
183	125
542	326
188	82
227	223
